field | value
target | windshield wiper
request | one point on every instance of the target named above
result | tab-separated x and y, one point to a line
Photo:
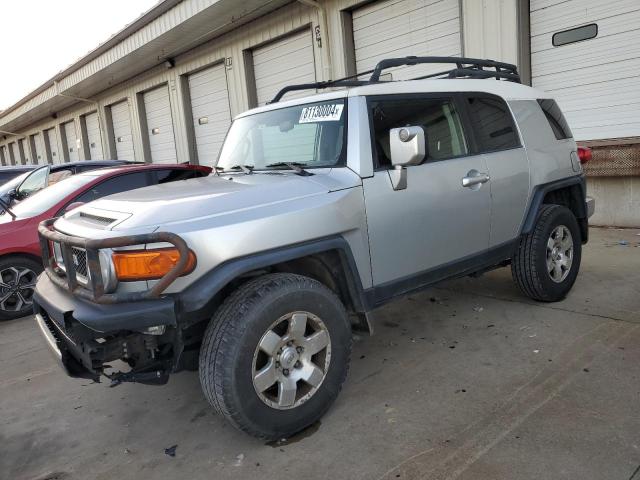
295	166
6	208
245	168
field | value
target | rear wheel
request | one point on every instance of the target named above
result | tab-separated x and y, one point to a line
275	355
547	261
18	275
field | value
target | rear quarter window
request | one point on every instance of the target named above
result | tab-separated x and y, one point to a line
492	124
556	119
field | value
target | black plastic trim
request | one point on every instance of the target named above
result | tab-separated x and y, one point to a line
195	302
540	191
59	304
381	294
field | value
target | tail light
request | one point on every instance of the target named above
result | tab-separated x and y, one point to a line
584	154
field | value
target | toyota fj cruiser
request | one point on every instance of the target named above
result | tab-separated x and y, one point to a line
323	209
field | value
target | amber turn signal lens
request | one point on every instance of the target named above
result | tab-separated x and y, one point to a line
149	264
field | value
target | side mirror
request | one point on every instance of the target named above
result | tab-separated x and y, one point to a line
408	147
12	193
72	206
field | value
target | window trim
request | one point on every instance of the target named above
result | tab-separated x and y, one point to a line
551	119
553	37
477	146
454	98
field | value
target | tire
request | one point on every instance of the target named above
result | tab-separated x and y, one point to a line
537	266
18	275
234	350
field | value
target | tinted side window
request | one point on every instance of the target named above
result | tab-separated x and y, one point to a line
555	118
492	124
171	175
118	184
438	118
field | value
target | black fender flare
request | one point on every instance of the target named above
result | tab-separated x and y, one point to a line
539	193
195	302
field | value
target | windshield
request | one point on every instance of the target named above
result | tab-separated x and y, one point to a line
311	135
42	201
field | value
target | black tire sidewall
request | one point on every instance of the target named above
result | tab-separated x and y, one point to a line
19	262
559	216
269	421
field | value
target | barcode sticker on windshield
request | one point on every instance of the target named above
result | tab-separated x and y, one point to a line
321	113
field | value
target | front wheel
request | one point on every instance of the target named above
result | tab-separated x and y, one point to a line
547	261
275	355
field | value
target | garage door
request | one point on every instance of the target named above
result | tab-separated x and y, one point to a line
162	145
210	111
38	146
94	138
398	28
15	154
282	63
69	130
122	136
587	54
24	152
51	139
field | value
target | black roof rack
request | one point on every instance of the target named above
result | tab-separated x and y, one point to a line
465	68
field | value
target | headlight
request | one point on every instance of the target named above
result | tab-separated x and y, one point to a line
134	265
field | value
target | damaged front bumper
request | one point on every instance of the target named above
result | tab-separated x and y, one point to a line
85	337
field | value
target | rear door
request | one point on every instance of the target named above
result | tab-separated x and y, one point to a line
434	227
498	143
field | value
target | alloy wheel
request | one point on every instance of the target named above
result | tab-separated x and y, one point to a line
559	253
291	360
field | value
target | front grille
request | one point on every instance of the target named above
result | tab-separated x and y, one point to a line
79	257
80	262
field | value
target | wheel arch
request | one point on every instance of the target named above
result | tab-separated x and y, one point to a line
328	260
569	192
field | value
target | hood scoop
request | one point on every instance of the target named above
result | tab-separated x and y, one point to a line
88	216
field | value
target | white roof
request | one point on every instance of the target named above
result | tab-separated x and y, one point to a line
504	89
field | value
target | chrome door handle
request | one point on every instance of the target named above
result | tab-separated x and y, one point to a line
475	178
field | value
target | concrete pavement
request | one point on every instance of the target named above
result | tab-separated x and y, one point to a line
469	380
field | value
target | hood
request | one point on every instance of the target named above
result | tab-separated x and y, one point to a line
212	196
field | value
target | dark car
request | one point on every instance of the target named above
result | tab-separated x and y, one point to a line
31	178
20	261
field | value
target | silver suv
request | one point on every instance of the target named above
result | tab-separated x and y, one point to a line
323	209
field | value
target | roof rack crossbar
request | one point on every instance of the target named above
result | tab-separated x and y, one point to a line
503	70
340	82
465	68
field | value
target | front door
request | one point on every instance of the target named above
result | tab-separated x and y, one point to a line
436	226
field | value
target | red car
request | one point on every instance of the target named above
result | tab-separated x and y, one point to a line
20	261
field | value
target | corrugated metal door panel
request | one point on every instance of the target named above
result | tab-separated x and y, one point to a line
397	28
41	156
282	63
94	137
594	81
51	138
162	144
24	152
210	111
69	129
15	153
122	136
